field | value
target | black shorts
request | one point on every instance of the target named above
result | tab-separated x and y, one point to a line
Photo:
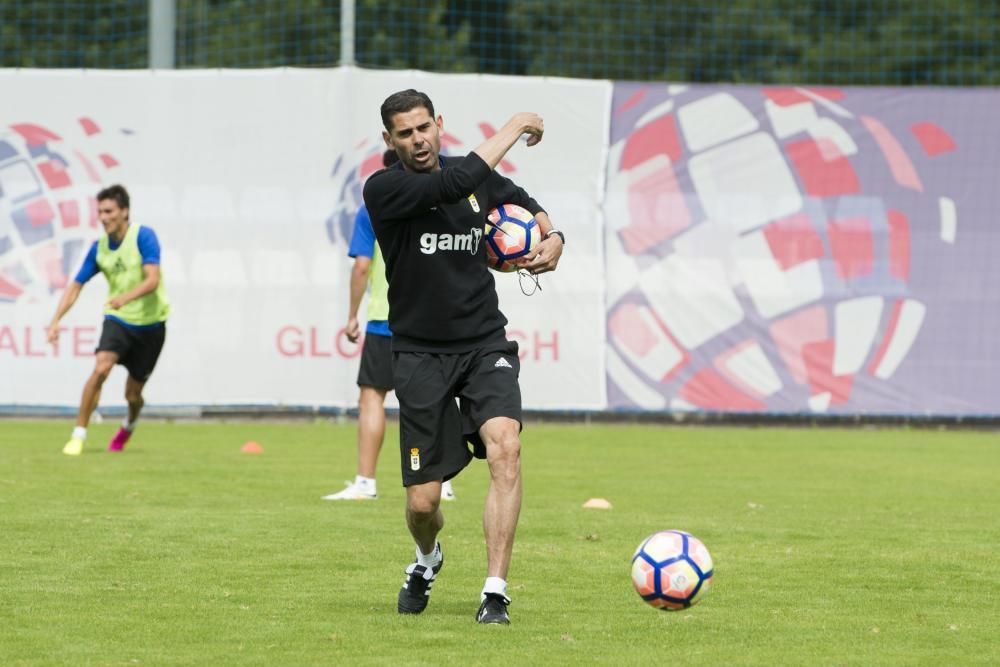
137	349
376	362
435	431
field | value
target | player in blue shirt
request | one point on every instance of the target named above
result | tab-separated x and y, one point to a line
135	313
375	374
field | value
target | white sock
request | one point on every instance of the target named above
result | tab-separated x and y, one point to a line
80	432
433	559
366	483
494	585
127	425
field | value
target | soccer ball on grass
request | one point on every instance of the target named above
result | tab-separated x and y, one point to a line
672	570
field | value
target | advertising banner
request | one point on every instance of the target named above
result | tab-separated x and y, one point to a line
736	249
251	180
801	250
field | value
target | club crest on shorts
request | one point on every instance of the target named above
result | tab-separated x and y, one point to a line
474	202
414	458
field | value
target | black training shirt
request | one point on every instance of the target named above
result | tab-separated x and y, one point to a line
429	227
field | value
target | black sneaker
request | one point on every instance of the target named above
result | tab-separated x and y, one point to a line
416	590
493	609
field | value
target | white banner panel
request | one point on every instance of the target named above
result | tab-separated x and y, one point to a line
251	180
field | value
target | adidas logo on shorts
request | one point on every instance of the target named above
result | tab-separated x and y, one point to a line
502	363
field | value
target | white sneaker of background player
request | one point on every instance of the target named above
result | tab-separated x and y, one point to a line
447	493
354	491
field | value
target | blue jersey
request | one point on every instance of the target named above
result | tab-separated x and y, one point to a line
149	248
363	245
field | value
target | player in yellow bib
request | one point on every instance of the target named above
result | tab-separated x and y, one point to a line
375	373
135	313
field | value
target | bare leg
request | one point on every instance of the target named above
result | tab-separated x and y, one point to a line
503	499
92	389
133	394
371	429
424	519
423	514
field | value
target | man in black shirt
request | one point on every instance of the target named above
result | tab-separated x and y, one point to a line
429	213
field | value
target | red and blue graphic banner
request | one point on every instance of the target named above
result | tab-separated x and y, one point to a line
803	250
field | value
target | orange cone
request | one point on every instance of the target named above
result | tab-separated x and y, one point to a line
252	447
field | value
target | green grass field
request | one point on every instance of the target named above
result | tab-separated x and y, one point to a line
832	547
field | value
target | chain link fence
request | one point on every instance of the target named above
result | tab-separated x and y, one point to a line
836	42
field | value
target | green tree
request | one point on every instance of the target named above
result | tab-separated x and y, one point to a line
257	33
50	33
412	34
840	42
492	38
631	39
832	42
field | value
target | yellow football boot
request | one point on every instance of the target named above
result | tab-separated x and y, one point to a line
74	447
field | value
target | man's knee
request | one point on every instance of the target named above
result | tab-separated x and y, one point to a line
503	441
101	372
371	401
507	447
422	502
504	456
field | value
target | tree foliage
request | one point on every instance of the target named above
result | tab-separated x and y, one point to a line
840	42
411	34
47	33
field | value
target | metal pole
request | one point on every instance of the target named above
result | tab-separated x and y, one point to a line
347	32
162	28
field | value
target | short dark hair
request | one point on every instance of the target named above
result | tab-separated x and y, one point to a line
389	158
403	101
116	192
